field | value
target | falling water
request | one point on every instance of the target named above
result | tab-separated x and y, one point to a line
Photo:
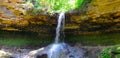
60	26
54	51
61	49
58	49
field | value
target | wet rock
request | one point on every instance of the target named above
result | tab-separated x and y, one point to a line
42	56
4	54
77	51
35	53
58	51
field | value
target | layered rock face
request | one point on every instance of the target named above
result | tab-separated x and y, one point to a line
104	15
99	16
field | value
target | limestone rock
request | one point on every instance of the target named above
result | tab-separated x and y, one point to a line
34	53
100	16
60	50
4	54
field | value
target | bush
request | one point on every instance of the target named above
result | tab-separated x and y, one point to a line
111	52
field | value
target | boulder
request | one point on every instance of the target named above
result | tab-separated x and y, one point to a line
4	54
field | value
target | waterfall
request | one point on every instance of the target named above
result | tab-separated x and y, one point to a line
58	49
57	46
61	49
60	27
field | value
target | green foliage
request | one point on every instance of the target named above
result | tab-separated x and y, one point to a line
106	53
56	6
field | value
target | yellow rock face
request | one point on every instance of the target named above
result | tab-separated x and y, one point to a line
77	19
100	13
16	1
100	7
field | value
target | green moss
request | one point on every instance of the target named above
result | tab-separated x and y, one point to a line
95	39
23	42
22	39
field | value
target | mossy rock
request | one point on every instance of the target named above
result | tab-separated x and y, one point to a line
111	52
